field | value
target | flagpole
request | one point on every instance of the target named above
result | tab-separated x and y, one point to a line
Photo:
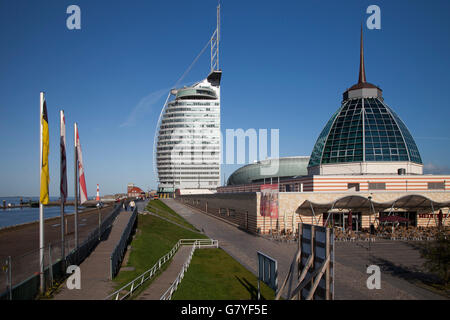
41	206
62	147
76	187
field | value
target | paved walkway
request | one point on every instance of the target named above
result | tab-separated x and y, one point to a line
160	285
22	242
95	270
350	261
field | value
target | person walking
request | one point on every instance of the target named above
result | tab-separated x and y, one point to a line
132	205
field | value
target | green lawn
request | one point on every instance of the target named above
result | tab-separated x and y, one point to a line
155	237
161	209
215	275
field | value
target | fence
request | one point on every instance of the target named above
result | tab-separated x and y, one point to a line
197	244
127	290
119	251
22	277
238	217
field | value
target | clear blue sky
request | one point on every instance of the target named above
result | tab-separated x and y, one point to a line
285	65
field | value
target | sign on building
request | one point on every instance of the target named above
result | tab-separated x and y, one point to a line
269	200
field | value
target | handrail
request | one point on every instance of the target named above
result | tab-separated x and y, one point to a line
197	244
119	251
131	286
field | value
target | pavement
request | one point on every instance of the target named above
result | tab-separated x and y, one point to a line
400	262
160	285
22	242
95	269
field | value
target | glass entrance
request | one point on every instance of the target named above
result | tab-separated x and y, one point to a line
340	219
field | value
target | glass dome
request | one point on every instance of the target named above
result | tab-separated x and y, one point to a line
364	129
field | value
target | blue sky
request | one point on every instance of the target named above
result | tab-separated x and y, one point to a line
285	65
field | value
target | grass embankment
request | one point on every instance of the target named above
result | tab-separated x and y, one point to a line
215	275
161	209
212	275
155	238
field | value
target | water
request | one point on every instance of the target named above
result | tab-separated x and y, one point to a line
12	217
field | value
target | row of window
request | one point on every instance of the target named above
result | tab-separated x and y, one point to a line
191	115
382	186
169	179
194	137
189	120
182	103
189	126
188	148
181	131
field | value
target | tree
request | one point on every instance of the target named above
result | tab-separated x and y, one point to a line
437	256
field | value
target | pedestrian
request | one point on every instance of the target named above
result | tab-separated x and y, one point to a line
132	205
372	229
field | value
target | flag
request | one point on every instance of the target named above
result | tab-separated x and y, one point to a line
63	167
45	177
81	180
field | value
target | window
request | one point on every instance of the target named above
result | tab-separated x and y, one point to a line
436	186
377	186
353	186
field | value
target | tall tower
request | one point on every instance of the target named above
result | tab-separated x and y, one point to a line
188	146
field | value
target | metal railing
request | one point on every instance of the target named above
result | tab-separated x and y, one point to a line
197	244
128	289
22	272
119	251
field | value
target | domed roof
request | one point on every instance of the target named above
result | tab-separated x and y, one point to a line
287	167
364	128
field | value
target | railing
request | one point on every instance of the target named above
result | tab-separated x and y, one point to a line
26	267
128	289
84	250
119	250
197	244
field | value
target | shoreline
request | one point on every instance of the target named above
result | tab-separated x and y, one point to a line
22	225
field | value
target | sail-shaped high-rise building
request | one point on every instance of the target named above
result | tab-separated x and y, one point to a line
188	149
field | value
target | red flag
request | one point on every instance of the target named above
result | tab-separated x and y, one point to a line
82	181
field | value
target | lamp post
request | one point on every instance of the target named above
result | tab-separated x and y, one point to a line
99	206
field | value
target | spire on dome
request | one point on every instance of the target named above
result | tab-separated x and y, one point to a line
362	72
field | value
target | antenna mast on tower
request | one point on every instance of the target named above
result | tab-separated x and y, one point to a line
215	44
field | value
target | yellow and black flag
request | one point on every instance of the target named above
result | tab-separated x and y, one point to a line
45	148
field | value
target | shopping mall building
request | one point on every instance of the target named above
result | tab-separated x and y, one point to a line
365	164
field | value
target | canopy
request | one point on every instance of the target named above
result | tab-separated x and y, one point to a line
393	219
357	202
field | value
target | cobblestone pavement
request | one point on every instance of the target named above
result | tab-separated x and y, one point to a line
400	262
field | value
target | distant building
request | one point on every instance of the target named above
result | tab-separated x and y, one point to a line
188	143
364	170
133	191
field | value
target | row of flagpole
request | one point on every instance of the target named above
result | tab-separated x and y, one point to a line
45	180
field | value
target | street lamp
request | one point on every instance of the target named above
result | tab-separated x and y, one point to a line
99	206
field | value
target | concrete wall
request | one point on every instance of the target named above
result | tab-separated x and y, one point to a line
238	208
243	209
